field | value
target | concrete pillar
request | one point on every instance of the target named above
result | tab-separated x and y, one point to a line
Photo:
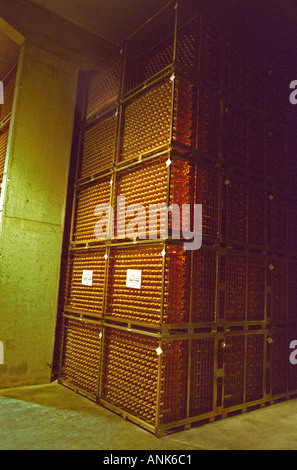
32	214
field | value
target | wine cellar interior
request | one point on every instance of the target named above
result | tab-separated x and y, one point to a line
118	294
187	111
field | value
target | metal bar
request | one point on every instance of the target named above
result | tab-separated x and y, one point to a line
95	246
178	424
89	180
77	389
243	406
85	320
96	116
62	348
147	84
106	280
223	367
143	158
172	111
189	377
127	415
159	386
215	374
164	248
10	72
132	322
78	161
140	332
5	122
159	12
101	364
245	368
80	314
175	32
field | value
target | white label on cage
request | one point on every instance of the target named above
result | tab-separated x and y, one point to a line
87	278
133	279
159	351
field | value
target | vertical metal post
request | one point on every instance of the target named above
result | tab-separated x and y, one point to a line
217	292
173	79
221	202
113	206
168	196
172	111
118	141
223	378
163	282
175	31
247	270
124	52
287	233
101	364
264	365
215	375
193	258
159	386
62	347
106	279
78	157
189	376
117	147
200	44
191	287
72	224
245	366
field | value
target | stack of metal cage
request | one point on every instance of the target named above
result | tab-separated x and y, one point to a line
179	115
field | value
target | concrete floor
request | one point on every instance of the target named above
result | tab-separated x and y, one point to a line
51	417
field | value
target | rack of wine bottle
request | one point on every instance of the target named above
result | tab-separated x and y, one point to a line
158	332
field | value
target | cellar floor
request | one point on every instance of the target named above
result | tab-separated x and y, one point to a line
51	417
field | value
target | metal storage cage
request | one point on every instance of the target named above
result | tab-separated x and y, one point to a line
80	354
179	115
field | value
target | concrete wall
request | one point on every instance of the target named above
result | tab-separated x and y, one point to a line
32	216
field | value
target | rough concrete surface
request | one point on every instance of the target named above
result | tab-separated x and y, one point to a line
32	219
52	417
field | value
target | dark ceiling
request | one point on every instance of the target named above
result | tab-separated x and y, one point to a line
113	20
85	31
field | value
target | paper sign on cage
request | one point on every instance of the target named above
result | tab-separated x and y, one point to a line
133	279
87	278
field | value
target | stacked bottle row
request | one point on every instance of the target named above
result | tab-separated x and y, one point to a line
159	266
227	285
180	116
228	133
155	183
166	382
236	209
5	113
81	351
